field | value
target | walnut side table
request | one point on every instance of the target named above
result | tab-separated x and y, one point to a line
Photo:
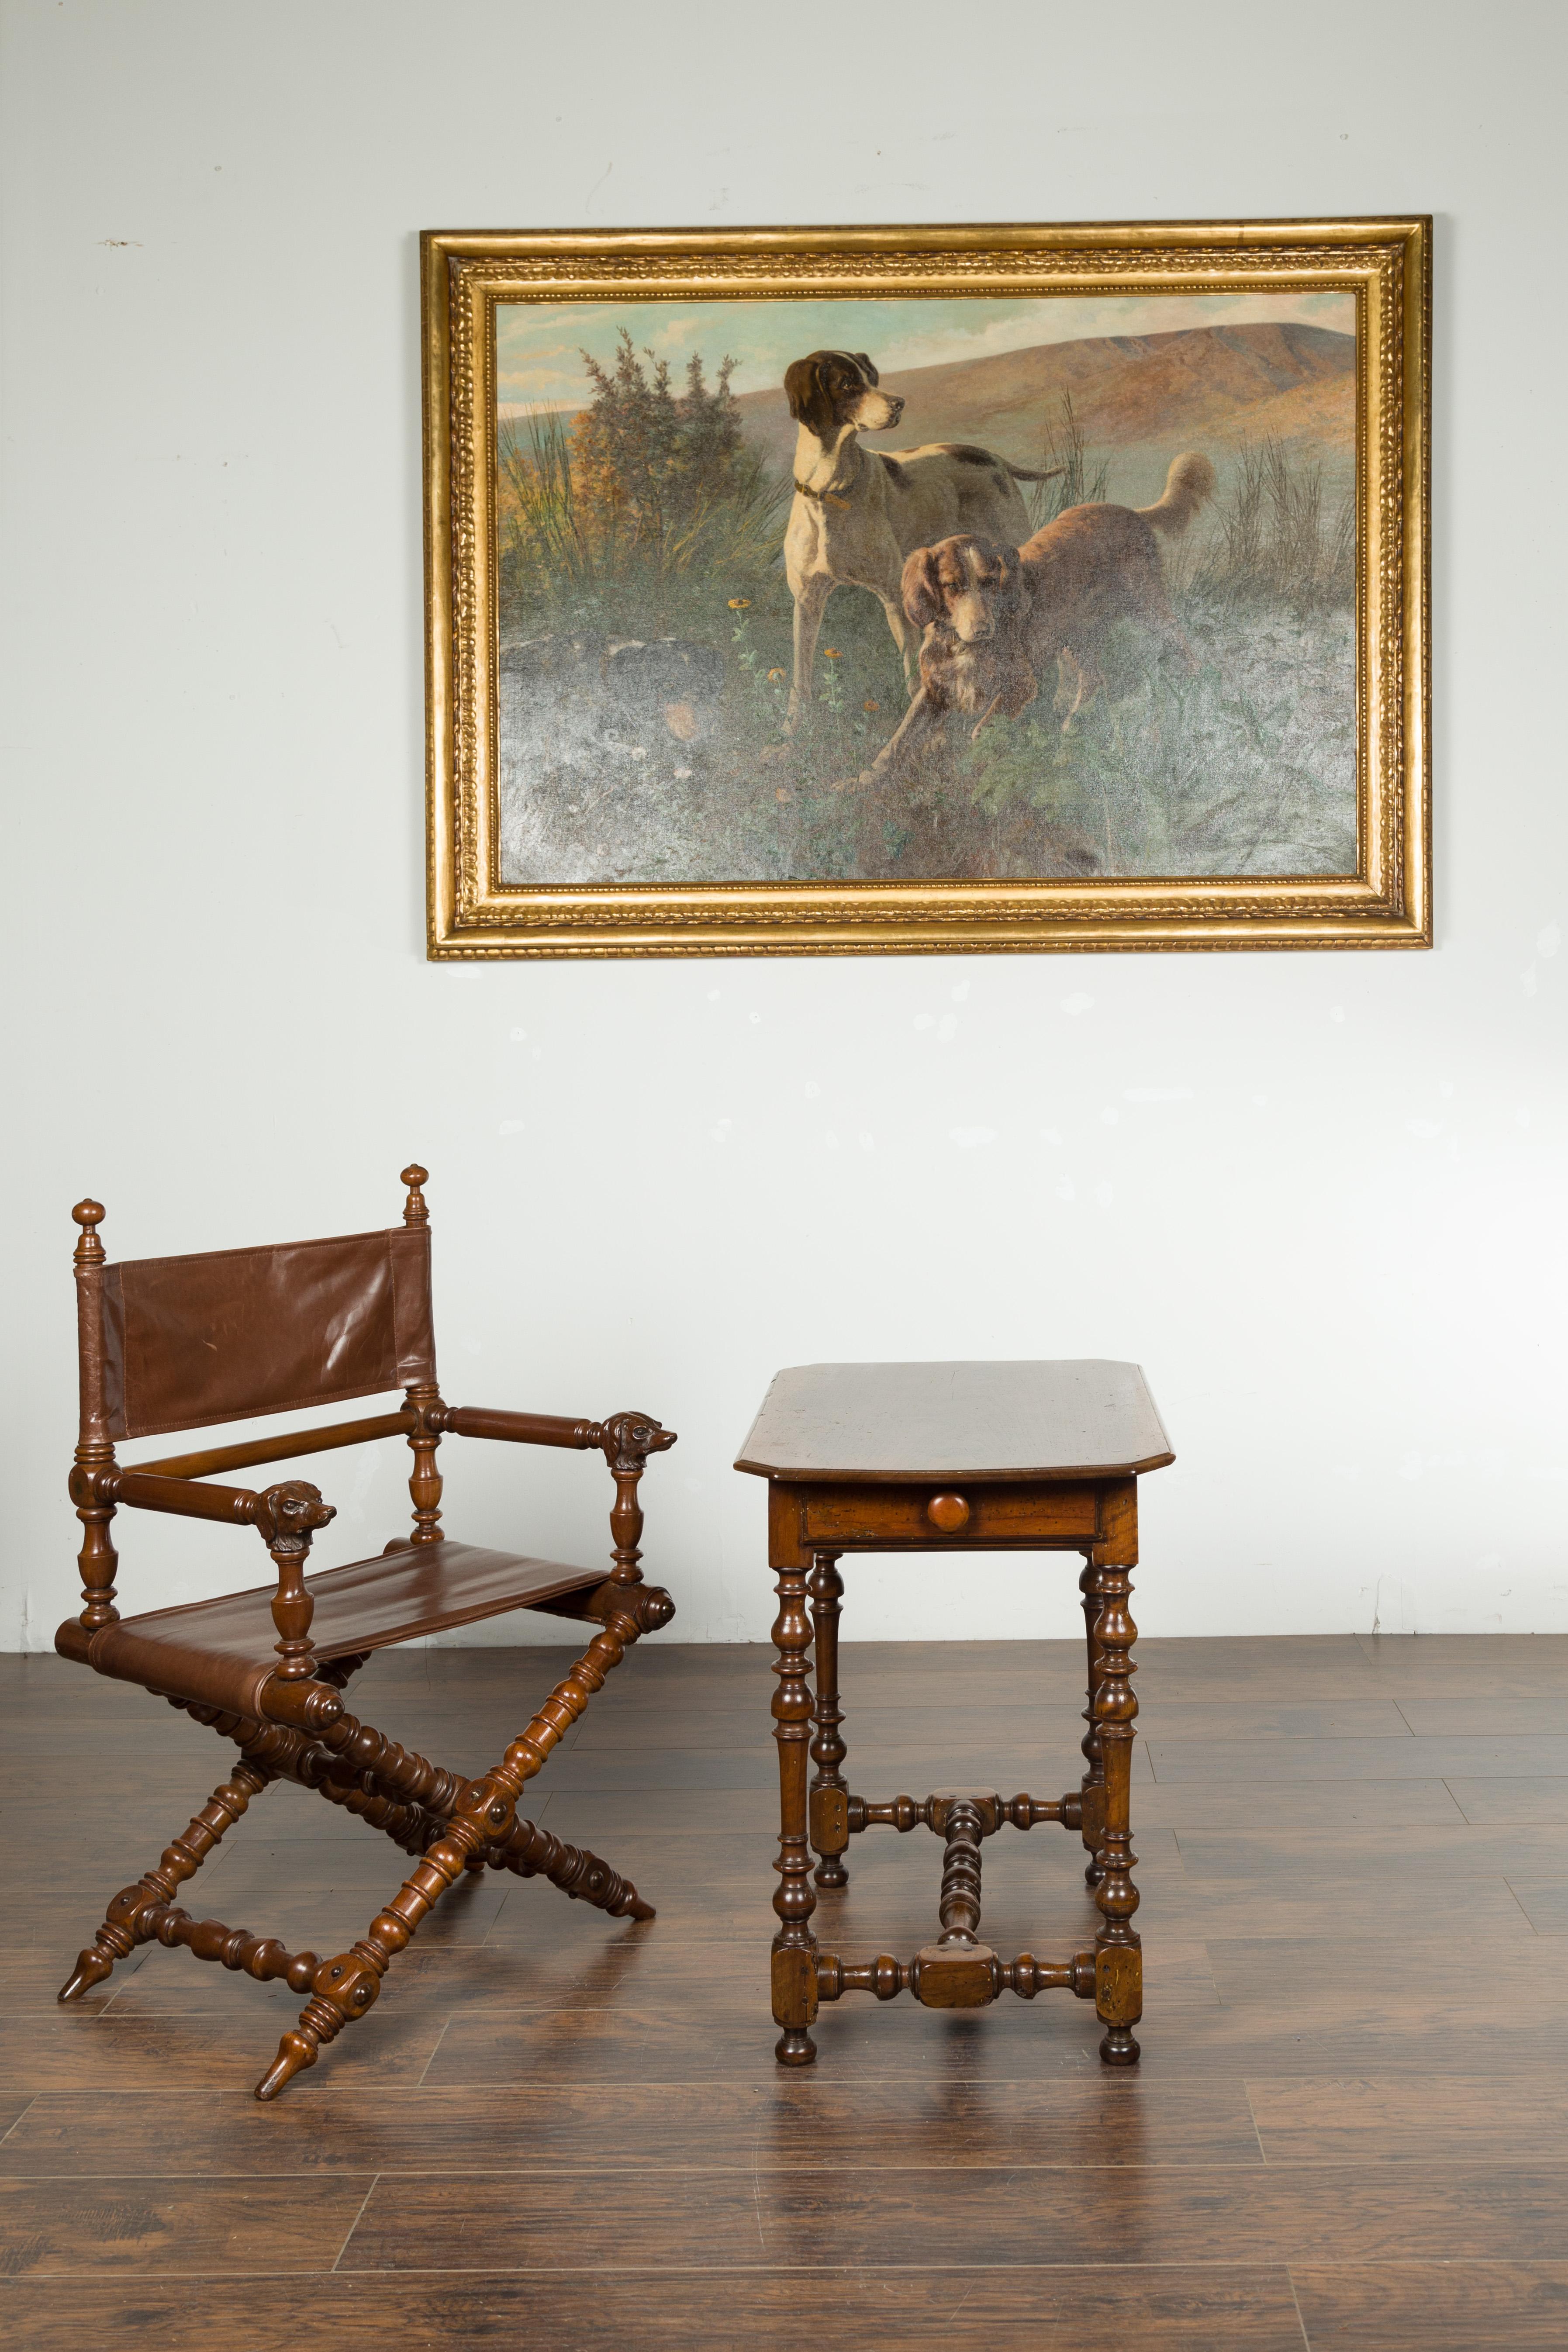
952	1458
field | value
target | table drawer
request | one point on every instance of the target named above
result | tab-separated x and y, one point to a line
938	1514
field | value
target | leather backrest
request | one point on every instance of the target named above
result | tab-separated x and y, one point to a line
229	1335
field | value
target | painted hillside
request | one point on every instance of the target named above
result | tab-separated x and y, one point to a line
1134	395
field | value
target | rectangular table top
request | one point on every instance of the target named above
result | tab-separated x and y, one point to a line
1083	1419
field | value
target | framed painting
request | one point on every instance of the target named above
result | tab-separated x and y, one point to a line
909	590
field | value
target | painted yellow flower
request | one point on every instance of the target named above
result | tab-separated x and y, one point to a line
740	603
830	653
871	706
775	677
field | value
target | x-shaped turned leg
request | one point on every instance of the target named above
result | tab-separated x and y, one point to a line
482	1820
136	1913
412	1801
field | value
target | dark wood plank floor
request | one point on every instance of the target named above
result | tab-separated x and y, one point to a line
1349	2130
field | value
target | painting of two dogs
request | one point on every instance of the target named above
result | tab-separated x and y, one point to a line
980	610
786	588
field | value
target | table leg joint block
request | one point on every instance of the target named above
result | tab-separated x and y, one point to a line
1119	1984
795	1980
955	1975
830	1809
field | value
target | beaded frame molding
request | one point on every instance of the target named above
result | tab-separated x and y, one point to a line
1384	264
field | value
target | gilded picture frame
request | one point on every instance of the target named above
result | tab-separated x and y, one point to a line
1304	356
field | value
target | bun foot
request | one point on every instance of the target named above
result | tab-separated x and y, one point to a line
92	1966
1117	2047
795	2047
831	1873
1092	1874
295	2052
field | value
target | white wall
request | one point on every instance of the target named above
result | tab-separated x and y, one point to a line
1338	1256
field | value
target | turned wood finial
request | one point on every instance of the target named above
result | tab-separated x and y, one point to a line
425	1481
89	1215
97	1558
88	1272
415	1211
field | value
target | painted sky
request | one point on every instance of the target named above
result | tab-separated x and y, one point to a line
539	344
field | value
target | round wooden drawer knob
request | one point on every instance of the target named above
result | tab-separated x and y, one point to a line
948	1512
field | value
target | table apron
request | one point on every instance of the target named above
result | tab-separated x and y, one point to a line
1066	1516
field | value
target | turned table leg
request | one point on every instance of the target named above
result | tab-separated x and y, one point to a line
794	1946
829	1791
1118	1958
1092	1798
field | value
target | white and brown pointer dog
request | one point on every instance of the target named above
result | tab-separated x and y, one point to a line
859	513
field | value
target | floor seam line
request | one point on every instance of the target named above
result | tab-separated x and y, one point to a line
1258	2135
1296	2300
431	2060
353	2225
1515	1893
26	2109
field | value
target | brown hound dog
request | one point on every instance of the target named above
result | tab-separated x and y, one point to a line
995	620
857	513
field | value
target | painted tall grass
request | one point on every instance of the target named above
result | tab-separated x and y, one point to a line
1271	541
1063	446
637	507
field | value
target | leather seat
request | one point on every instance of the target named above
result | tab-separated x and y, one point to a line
219	1652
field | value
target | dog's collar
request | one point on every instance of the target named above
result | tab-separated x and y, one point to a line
822	497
